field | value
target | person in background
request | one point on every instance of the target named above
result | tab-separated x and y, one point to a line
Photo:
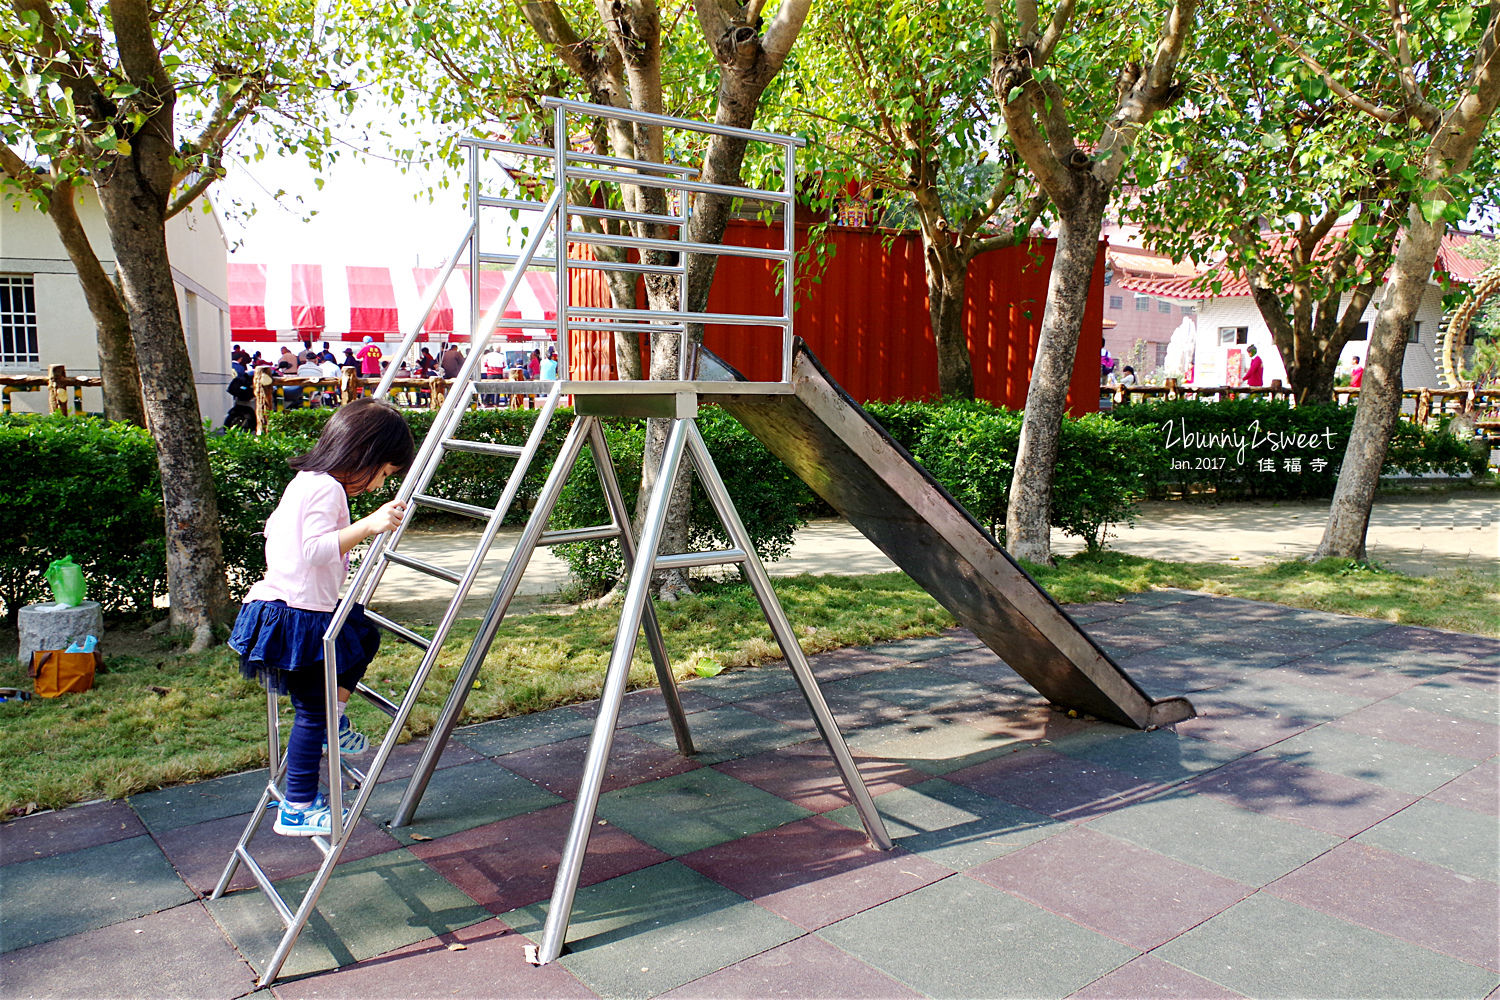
369	356
1127	377
349	359
1256	373
1106	366
310	369
534	365
549	366
326	354
493	363
426	363
287	357
1357	375
291	395
451	361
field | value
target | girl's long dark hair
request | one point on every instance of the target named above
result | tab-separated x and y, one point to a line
361	438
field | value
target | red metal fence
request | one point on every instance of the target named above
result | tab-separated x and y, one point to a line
865	317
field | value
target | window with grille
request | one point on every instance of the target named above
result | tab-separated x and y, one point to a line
1117	302
1164	307
1142	303
18	348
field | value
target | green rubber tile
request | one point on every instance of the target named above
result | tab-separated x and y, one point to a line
698	809
188	805
1236	843
653	930
1448	698
460	798
1393	765
1162	755
958	938
75	892
369	907
522	732
721	734
746	682
954	826
1445	835
1267	948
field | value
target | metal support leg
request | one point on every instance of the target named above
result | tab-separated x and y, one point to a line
637	597
447	720
584	430
760	582
273	774
615	499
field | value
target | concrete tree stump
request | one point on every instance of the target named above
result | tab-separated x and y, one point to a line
52	626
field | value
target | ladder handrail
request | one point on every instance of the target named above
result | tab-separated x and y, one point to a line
442	426
429	302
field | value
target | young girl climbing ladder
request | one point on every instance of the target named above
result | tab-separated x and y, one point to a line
279	632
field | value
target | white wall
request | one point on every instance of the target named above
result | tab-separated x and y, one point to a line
65	329
1419	370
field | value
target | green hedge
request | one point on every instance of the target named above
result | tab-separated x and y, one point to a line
1258	448
770	500
970	447
85	488
90	489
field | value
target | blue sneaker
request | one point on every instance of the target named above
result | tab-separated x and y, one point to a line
316	820
351	740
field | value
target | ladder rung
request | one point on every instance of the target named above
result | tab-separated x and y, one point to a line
578	535
377	699
355	774
684	560
266	886
455	506
484	447
399	630
423	567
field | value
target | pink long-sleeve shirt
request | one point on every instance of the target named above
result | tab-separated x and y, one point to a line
304	567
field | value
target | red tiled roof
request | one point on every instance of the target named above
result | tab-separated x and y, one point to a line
1198	284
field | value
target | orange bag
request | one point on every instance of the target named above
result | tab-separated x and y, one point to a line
54	672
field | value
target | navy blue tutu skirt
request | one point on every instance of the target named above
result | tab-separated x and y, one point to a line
273	640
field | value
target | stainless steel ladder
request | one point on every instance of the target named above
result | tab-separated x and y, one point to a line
384	551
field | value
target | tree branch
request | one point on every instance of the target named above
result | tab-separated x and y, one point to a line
19	172
189	194
1425	113
1003	186
781	33
1405	68
1055	29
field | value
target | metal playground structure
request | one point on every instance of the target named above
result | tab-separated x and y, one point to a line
803	418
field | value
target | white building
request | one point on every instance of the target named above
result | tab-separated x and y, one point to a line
44	319
1228	323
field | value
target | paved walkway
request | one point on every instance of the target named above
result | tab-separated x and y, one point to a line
1326	828
1420	535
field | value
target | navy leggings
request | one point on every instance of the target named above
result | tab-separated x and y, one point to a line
304	747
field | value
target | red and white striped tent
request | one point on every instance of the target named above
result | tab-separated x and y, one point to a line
296	302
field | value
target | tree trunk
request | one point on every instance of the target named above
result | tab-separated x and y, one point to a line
1028	516
195	559
622	285
117	363
1379	394
947	275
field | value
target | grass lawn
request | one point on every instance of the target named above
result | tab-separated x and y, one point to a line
160	718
